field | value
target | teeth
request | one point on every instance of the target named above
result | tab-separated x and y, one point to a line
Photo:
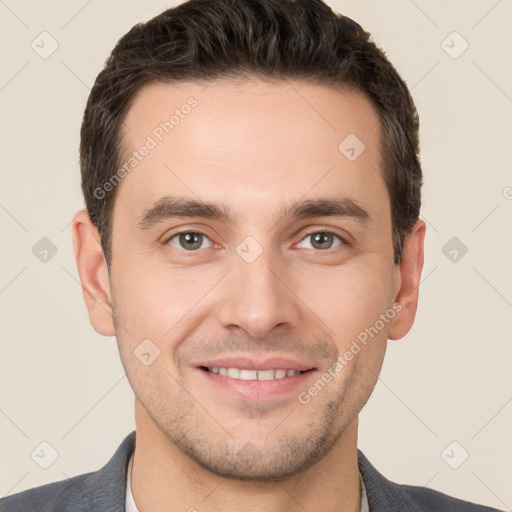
237	373
234	373
248	375
266	375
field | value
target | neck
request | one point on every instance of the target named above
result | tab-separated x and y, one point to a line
164	478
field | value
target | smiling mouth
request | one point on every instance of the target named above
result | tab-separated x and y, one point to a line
243	374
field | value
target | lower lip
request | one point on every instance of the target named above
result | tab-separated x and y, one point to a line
258	389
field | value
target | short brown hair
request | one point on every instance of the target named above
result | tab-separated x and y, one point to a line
269	39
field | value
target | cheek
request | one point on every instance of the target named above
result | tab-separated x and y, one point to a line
163	303
349	298
156	303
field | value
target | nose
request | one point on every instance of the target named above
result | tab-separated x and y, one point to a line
258	297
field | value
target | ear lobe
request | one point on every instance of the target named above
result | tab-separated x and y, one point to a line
408	279
92	268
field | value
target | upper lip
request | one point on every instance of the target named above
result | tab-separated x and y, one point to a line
245	363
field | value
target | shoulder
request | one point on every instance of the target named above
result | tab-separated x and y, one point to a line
99	490
70	494
386	496
431	500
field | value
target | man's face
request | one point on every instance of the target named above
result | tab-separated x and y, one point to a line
265	287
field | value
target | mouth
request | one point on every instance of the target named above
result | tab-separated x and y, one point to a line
255	380
245	374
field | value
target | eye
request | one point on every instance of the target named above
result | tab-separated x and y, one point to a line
188	240
322	240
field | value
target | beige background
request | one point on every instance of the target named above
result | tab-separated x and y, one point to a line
448	380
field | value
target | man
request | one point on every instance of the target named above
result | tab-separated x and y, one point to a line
252	239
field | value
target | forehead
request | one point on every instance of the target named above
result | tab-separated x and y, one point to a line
251	144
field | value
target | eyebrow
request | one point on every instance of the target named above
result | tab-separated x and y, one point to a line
176	207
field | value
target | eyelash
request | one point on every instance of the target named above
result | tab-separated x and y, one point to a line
309	233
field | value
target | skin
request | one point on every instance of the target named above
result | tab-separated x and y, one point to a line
255	147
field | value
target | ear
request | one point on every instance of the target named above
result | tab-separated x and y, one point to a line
407	280
92	268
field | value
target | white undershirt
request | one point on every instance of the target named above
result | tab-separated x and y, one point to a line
131	507
130	503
